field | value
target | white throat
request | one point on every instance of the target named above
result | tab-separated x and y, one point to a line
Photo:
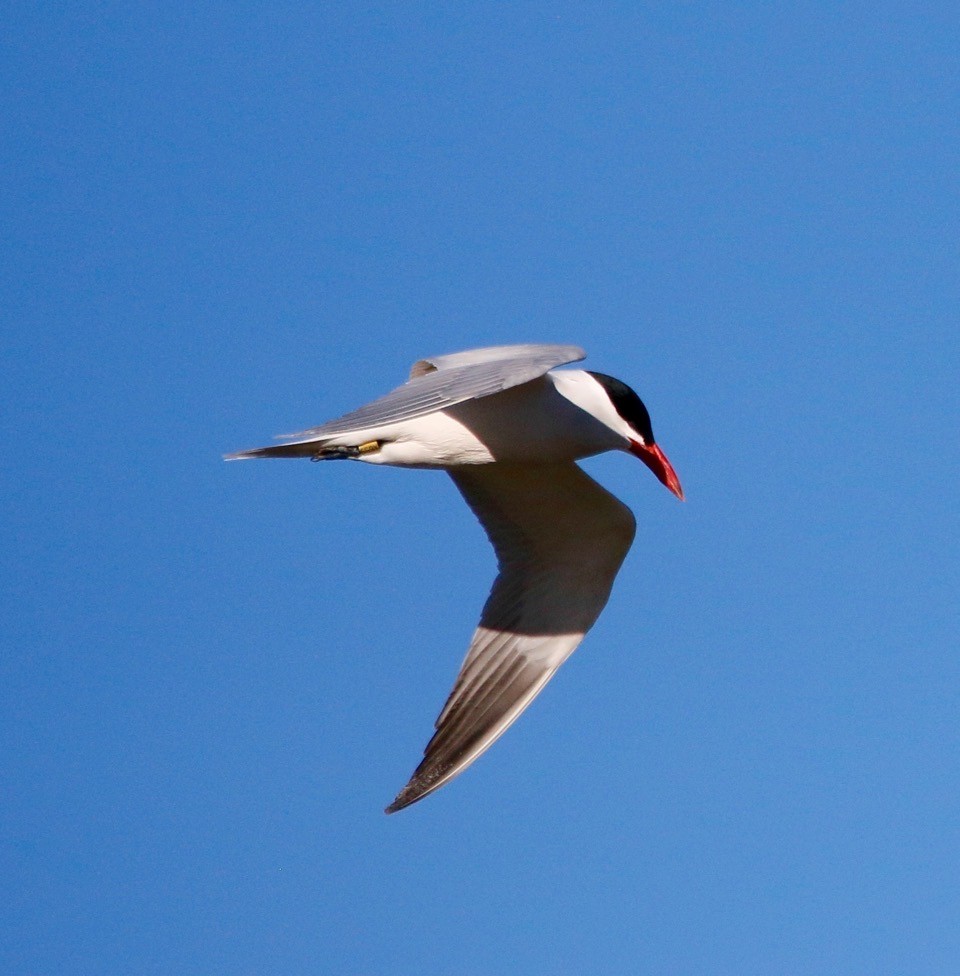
579	387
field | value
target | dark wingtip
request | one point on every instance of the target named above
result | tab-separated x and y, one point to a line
395	806
423	782
409	794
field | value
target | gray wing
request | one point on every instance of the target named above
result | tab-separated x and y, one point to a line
560	540
443	381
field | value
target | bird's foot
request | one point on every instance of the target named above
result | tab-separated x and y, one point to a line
340	452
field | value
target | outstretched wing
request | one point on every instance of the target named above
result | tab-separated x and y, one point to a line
560	540
443	381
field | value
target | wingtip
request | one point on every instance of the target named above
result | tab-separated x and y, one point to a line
409	794
423	782
256	452
298	449
394	807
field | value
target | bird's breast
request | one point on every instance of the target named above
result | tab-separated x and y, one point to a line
528	423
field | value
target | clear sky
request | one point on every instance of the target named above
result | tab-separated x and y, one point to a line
226	222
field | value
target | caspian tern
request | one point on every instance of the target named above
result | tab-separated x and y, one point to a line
508	427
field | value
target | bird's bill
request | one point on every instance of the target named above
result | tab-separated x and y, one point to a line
657	462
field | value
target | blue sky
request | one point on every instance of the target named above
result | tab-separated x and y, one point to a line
227	223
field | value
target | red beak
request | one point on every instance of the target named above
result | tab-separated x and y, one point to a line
657	462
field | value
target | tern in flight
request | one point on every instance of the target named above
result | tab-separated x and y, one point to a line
508	427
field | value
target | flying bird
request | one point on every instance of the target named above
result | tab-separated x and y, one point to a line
507	427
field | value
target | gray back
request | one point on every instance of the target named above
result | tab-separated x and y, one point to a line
442	381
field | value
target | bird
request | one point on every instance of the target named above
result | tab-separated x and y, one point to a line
508	426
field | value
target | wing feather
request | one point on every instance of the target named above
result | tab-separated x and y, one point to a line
443	381
560	540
